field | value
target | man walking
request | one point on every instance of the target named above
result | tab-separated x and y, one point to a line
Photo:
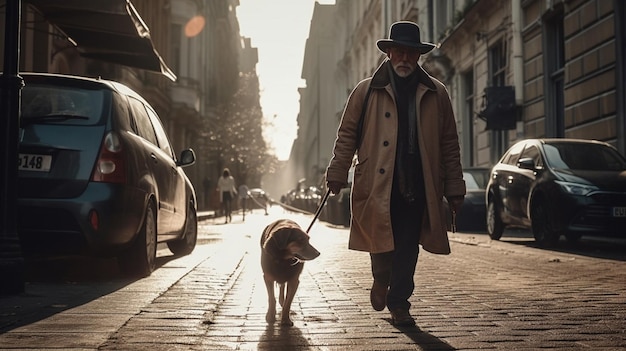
401	125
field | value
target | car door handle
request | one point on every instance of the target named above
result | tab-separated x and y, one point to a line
154	158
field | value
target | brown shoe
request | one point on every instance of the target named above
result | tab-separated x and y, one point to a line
402	318
378	296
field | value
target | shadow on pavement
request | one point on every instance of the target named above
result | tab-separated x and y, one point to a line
423	339
53	285
282	338
57	284
596	247
607	248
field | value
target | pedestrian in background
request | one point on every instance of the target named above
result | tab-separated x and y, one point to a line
244	193
226	187
404	134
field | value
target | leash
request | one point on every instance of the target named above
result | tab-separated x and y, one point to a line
319	210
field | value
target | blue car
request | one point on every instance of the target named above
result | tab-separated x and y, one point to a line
98	176
558	187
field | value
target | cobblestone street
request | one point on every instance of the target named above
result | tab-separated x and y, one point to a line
485	295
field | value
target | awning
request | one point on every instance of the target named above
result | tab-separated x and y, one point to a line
108	30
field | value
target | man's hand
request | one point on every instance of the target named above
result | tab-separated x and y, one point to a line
455	202
334	187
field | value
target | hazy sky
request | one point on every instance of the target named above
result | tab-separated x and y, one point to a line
279	29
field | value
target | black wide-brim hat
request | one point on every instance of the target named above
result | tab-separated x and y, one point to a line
404	33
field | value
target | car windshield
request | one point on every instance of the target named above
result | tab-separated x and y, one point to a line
581	156
45	104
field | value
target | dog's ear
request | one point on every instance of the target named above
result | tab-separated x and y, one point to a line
279	238
271	247
277	242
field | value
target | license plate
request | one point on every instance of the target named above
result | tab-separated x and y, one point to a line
37	163
619	211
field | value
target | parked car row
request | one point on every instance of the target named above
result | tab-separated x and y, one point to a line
97	174
304	198
554	187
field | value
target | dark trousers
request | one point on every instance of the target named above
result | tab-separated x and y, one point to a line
397	268
227	203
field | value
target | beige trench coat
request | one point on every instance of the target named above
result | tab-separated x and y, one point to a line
370	228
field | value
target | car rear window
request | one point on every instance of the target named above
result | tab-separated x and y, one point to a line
45	104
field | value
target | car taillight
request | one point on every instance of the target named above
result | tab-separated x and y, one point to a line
110	166
94	220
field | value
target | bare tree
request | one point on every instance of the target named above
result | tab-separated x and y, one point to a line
235	136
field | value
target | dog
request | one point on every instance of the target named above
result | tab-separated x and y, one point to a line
284	248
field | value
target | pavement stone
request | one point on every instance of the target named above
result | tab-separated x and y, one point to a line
485	295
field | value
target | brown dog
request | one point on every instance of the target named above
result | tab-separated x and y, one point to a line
284	247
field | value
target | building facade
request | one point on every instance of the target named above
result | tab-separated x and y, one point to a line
555	68
317	99
562	60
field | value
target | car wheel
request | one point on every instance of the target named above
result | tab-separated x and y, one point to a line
495	227
140	259
544	233
186	245
573	237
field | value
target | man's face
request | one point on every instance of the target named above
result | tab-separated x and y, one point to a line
403	59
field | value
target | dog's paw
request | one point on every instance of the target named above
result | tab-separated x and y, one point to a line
286	322
270	317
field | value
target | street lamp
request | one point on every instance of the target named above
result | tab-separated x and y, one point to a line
11	260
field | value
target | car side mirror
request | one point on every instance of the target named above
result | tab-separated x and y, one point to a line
526	163
187	158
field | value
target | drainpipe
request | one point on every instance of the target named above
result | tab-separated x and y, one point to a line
620	40
518	60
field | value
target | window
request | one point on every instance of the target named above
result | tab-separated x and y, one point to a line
498	64
142	121
176	34
584	157
467	86
532	152
164	144
554	61
513	155
69	105
497	74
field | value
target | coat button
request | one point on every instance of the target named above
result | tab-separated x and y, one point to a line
387	114
381	171
385	143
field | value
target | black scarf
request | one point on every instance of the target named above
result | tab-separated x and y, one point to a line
408	172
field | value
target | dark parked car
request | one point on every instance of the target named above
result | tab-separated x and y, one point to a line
558	187
97	174
471	216
259	199
337	210
304	198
